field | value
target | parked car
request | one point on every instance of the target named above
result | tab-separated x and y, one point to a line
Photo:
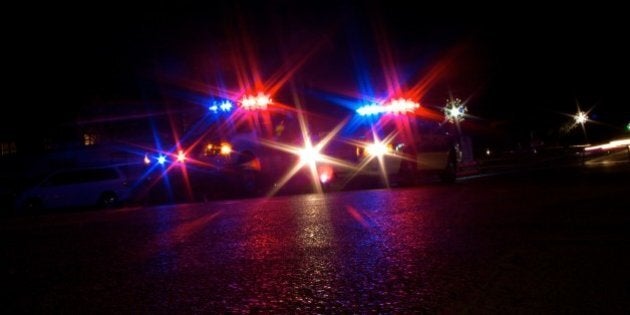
389	143
258	151
104	186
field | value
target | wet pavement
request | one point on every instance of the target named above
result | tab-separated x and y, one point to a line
546	241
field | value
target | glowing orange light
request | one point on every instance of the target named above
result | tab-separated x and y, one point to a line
325	173
226	149
610	145
377	149
181	156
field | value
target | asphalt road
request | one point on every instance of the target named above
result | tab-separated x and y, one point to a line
540	241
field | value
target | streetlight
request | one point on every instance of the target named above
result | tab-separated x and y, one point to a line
454	110
581	118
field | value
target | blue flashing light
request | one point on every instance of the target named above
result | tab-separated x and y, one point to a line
161	159
396	106
224	106
372	109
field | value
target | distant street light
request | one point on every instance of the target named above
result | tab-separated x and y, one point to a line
454	110
581	118
628	127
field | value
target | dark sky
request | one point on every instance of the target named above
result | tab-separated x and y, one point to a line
521	63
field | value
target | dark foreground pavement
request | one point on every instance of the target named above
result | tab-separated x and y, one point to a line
541	241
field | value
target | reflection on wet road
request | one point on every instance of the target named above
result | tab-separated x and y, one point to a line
539	243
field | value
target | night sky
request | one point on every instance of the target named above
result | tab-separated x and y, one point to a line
522	66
